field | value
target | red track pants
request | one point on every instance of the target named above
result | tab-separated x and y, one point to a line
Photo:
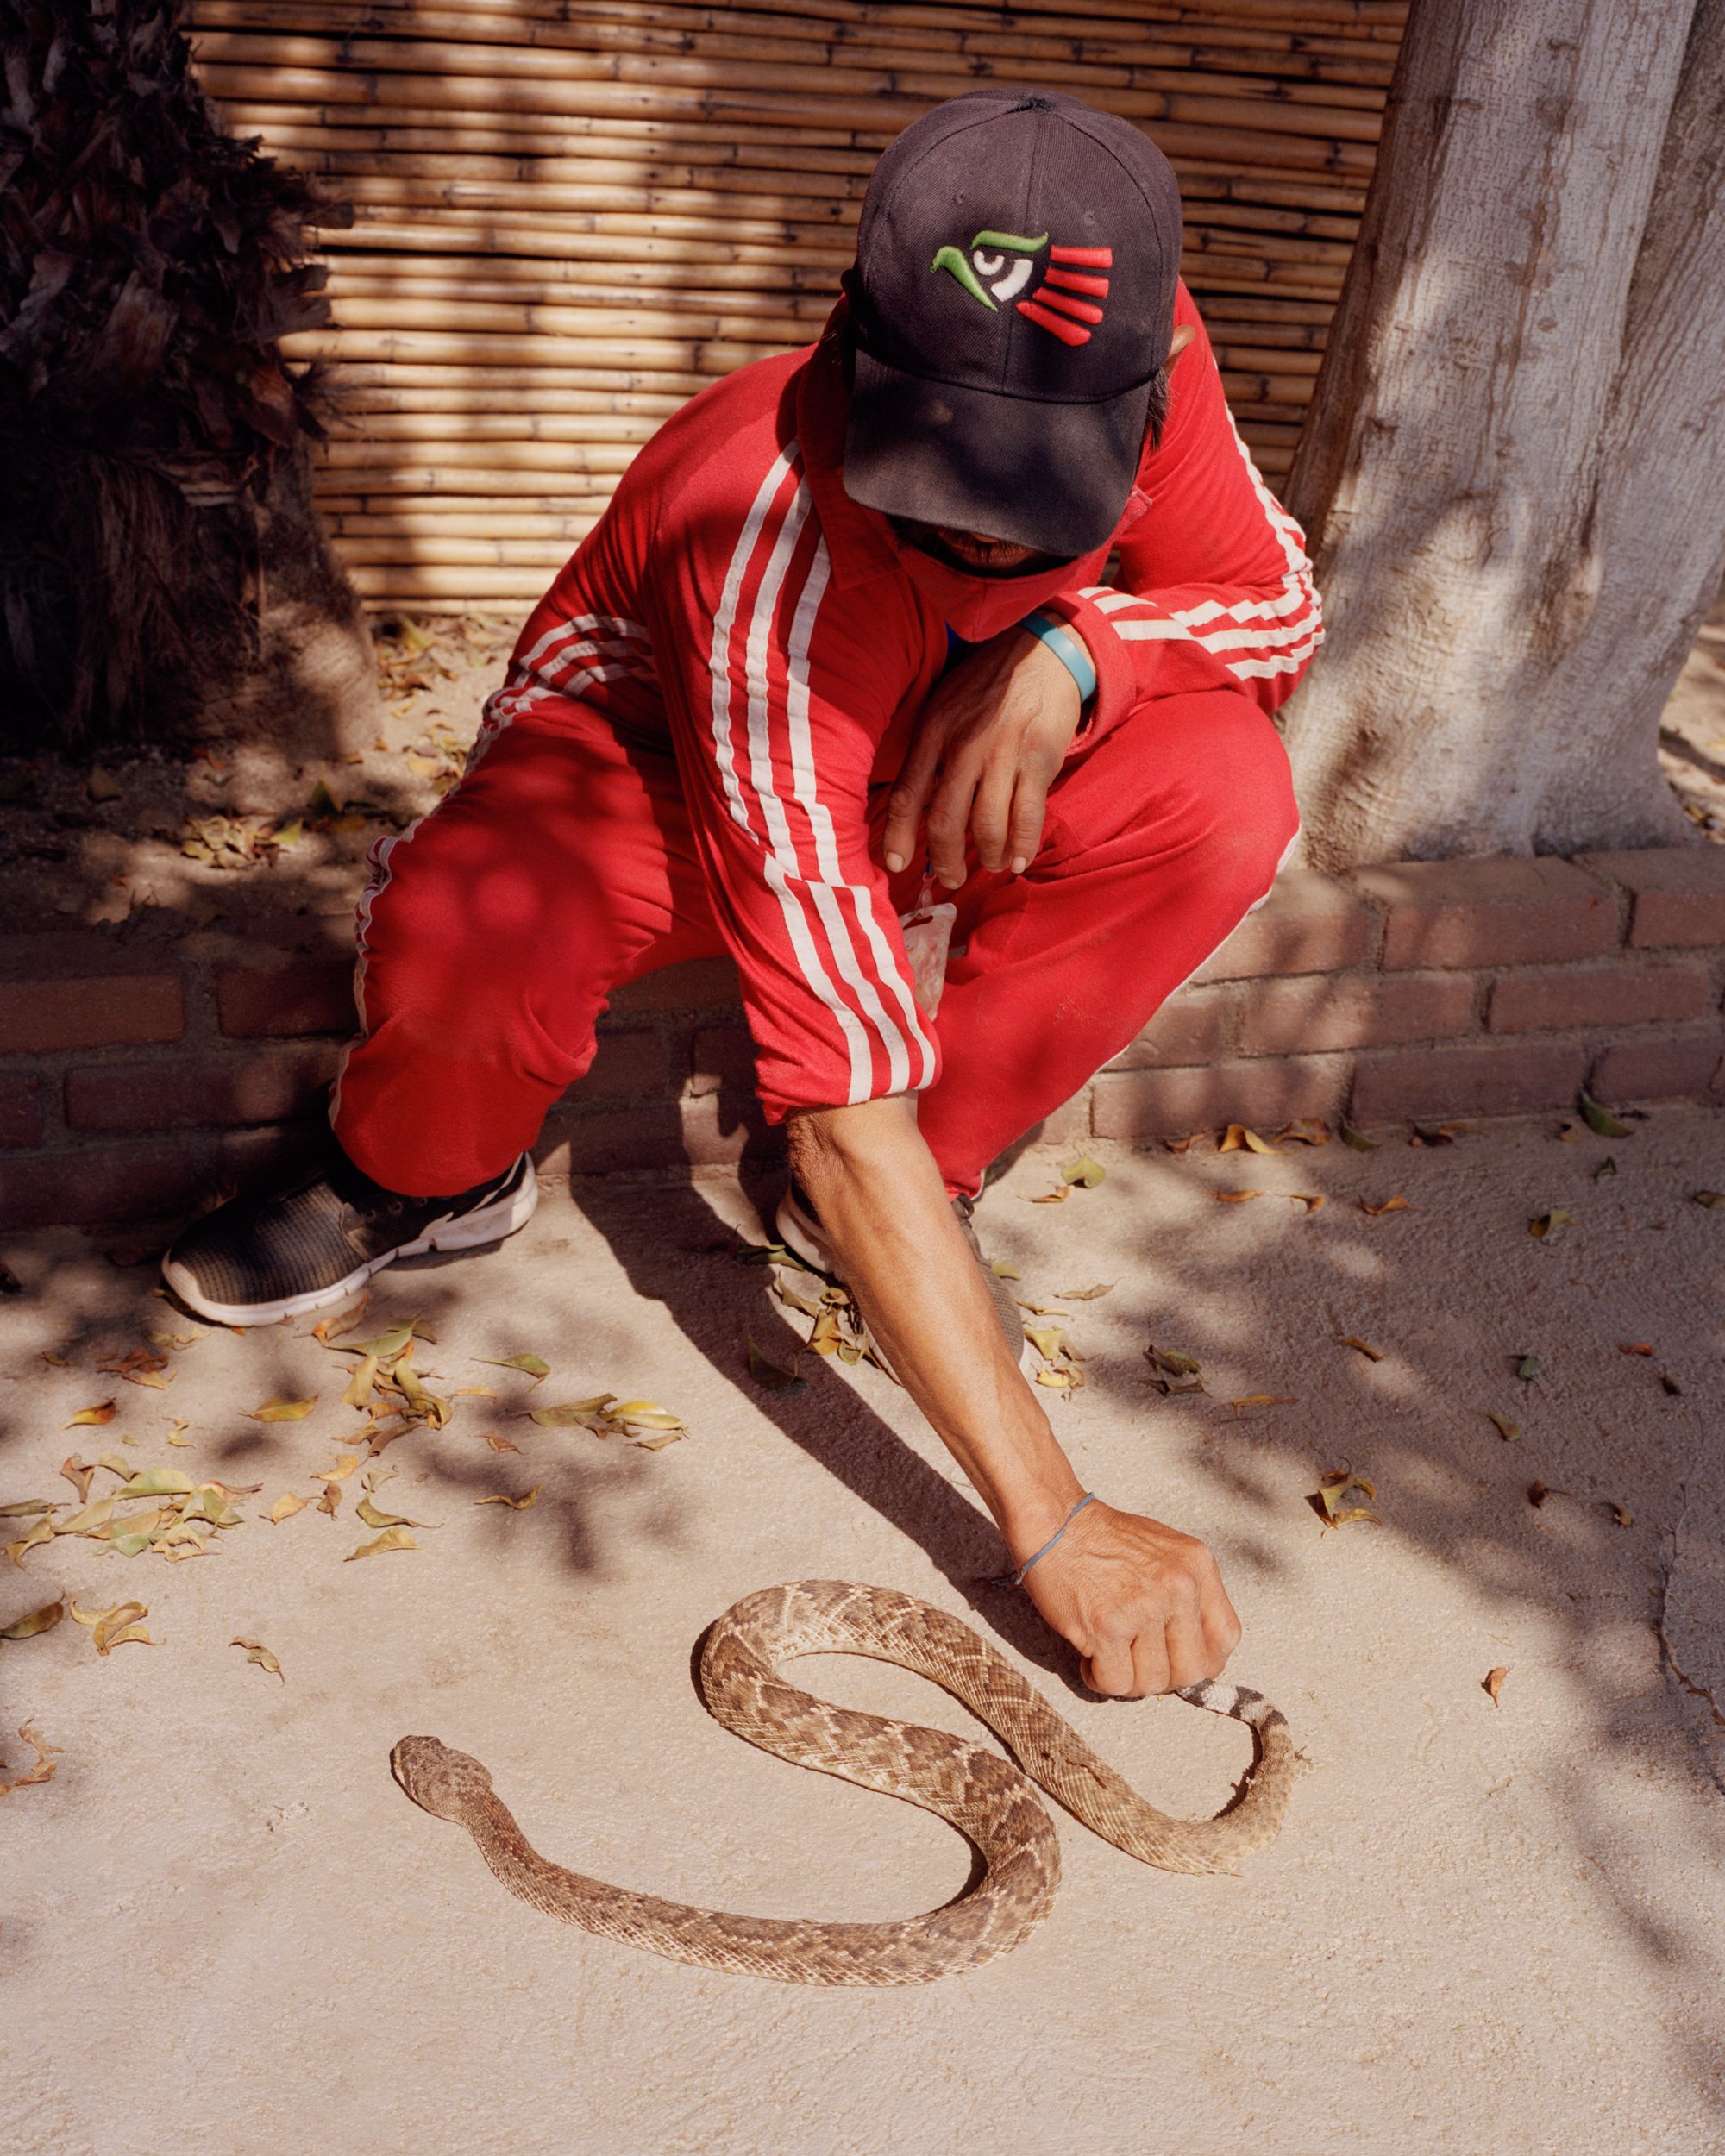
565	866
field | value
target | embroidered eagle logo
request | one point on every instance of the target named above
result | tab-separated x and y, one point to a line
998	266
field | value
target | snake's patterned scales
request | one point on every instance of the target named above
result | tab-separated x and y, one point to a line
983	1796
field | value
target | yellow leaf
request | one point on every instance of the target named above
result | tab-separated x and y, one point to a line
648	1413
1255	1144
1045	1338
1086	1173
515	1504
1506	1429
1306	1130
43	1769
117	1463
103	1413
256	1651
1364	1347
584	1412
1340	1498
283	1410
92	1520
26	1507
474	1392
1620	1513
390	1538
174	1436
1543	1224
1057	1380
1493	1684
670	1437
1054	1197
112	1627
39	1620
330	1501
43	1531
156	1481
1087	1295
1310	1200
498	1444
344	1465
1390	1205
285	1507
533	1366
1235	1197
358	1392
1001	1270
768	1375
78	1474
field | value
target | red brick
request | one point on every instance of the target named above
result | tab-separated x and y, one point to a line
1678	893
1680	1069
309	995
723	1060
1359	1011
628	1067
1309	923
210	1091
1191	1027
1496	912
20	1111
112	1011
698	984
131	1181
1499	1078
1599	995
1144	1104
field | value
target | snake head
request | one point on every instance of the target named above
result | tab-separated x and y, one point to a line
438	1778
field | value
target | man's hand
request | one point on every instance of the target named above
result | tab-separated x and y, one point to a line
989	742
1142	1604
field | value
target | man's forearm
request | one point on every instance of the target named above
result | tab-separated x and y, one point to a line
885	1210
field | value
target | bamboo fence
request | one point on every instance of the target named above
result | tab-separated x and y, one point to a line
570	219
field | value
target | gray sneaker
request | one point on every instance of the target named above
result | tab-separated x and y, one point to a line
800	1230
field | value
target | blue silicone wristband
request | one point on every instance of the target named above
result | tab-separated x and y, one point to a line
1067	649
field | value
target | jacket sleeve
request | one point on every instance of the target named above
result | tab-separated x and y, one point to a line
1214	590
779	687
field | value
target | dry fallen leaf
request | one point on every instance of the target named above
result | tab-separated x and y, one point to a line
768	1376
330	1501
1264	1400
111	1629
92	1520
590	1414
156	1481
1620	1513
26	1507
282	1410
1001	1270
533	1366
1538	1492
1602	1120
1543	1224
1086	1295
1182	1144
39	1620
1357	1141
498	1444
176	1435
1493	1684
340	1469
1370	1353
1173	1363
43	1531
390	1538
1306	1130
1344	1496
1235	1197
1086	1173
1397	1204
1508	1430
285	1507
256	1651
362	1383
1633	1347
1056	1197
515	1504
1709	1197
103	1413
1312	1202
78	1474
44	1767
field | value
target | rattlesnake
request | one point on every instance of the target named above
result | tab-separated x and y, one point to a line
984	1796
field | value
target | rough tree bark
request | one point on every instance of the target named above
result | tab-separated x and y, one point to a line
1514	472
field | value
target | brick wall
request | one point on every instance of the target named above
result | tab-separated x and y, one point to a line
138	1074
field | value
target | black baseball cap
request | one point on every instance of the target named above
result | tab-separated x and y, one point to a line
1011	306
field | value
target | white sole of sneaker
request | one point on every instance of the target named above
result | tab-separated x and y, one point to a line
492	1224
798	1232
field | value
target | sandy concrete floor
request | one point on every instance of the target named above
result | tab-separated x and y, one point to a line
1485	1928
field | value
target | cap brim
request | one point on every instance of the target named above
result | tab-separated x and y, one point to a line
1052	476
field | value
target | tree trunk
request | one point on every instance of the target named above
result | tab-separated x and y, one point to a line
1511	472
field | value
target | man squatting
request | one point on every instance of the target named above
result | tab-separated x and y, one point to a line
844	628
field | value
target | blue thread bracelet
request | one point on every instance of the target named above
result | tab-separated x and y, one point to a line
1016	1579
1067	649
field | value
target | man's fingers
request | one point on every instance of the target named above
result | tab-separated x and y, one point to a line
947	823
1188	1656
909	798
1029	806
1222	1626
990	817
1110	1670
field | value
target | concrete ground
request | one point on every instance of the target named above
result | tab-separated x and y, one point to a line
1485	1928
